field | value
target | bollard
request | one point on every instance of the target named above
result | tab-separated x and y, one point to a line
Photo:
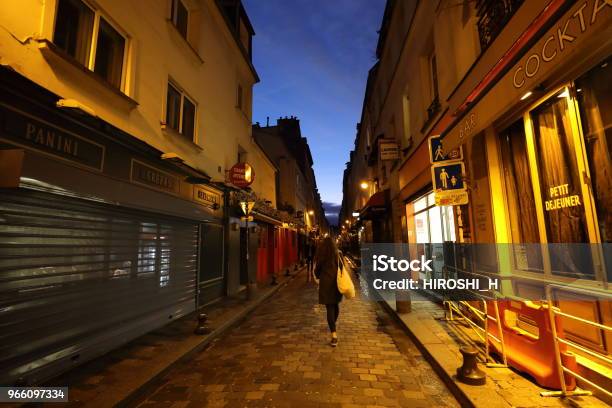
295	267
469	372
202	328
287	272
403	303
274	282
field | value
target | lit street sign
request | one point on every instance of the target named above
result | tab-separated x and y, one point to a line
437	152
448	176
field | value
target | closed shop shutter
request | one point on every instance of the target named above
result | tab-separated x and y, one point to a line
78	278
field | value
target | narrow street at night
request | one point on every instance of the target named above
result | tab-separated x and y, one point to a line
281	357
306	203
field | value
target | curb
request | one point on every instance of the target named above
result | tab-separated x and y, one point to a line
141	391
463	398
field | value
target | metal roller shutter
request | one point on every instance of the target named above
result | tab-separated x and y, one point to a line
78	278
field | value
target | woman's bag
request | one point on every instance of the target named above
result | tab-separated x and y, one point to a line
344	281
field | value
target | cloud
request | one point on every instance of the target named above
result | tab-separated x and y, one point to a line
331	212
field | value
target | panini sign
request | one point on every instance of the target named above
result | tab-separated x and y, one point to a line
23	130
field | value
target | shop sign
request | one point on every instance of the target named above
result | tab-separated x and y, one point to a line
438	154
448	176
560	198
241	175
452	197
557	40
25	131
574	31
388	150
151	177
207	197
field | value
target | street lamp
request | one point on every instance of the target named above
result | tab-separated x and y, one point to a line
247	207
311	212
364	185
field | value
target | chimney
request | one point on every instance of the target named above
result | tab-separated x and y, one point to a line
267	121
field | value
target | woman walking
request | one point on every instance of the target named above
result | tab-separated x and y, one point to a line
326	270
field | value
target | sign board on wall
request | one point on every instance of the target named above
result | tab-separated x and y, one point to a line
437	153
444	198
241	175
448	176
389	150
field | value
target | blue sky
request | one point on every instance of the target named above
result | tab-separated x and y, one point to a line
313	57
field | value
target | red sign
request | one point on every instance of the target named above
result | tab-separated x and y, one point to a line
241	175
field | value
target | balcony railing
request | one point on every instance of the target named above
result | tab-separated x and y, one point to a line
492	17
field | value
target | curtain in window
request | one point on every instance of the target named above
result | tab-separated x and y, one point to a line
595	99
559	169
520	199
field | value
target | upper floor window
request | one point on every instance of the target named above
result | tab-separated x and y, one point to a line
180	112
433	76
180	17
407	130
87	36
239	98
493	15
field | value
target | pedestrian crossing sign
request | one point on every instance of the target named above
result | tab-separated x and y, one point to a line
448	176
438	153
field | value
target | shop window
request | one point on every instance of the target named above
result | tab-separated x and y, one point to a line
101	51
520	198
559	174
180	17
180	112
560	186
594	91
429	226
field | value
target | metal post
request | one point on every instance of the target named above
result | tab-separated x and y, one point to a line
553	328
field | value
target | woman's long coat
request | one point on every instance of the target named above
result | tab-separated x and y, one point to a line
327	271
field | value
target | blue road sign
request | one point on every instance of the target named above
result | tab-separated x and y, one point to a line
448	176
437	152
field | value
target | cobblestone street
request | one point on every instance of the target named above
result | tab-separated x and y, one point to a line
281	357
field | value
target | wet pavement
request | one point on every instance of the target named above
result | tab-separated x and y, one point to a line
281	357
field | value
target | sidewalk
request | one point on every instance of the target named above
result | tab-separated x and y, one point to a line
121	376
439	341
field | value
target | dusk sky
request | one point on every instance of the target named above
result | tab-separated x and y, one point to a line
313	57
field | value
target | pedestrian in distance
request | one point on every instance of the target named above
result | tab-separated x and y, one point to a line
326	271
310	250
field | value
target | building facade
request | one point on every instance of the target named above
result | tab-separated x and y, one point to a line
297	192
119	124
522	87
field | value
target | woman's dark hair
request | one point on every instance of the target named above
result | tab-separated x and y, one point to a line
326	250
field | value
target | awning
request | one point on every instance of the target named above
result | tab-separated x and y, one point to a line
376	206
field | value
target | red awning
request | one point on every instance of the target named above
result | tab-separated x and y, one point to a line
376	205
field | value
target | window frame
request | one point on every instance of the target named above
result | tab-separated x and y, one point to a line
174	17
240	97
184	95
432	67
91	59
592	235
